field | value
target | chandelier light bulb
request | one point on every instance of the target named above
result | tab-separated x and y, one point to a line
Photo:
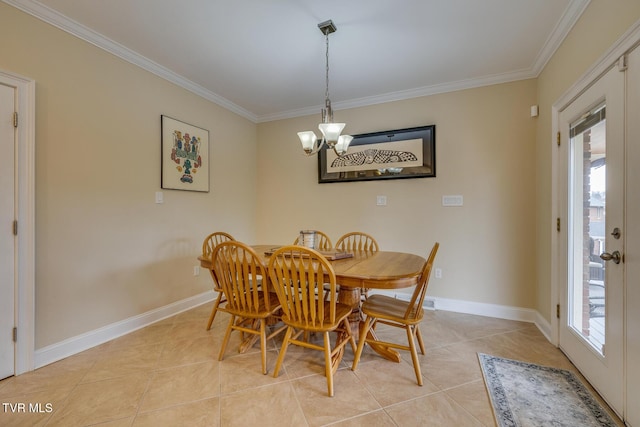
308	140
342	145
331	132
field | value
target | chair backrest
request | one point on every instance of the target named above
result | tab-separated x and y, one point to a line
357	242
237	268
415	309
298	275
213	240
323	242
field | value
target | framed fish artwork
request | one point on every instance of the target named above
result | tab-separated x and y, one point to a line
185	156
395	154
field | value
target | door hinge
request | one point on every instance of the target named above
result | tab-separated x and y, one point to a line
558	311
622	63
15	228
558	224
558	139
15	334
15	119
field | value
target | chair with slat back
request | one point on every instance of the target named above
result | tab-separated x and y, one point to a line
208	245
298	274
400	314
323	242
249	301
357	241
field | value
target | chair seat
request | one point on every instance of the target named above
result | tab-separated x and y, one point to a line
261	313
384	307
342	312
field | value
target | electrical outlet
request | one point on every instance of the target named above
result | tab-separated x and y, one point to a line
196	270
438	273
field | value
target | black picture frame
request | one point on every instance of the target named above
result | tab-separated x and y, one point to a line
394	154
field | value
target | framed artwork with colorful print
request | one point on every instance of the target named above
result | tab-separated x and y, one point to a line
185	156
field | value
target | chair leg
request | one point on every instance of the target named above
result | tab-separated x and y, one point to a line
227	334
283	350
263	345
352	340
362	339
328	369
414	354
215	310
420	342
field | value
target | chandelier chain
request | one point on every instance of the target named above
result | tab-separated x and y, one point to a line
326	93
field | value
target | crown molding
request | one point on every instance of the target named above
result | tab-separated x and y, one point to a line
405	94
60	21
571	15
569	18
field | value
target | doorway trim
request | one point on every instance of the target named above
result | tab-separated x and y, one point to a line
629	40
25	188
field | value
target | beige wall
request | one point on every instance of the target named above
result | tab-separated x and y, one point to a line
105	251
485	149
602	24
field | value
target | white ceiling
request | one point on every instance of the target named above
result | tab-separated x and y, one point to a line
265	59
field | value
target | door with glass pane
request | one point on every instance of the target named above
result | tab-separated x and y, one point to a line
591	303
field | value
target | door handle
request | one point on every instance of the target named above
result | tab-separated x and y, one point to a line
614	256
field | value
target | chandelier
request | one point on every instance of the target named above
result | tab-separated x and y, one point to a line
330	130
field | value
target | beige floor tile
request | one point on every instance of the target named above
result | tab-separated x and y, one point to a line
372	419
124	361
169	374
244	371
33	409
433	410
273	405
474	399
102	401
350	399
64	373
450	366
391	382
204	413
174	386
187	351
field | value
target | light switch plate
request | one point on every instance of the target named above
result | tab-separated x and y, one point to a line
454	200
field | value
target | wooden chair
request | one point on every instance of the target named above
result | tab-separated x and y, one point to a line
357	241
298	274
323	242
249	303
209	244
400	314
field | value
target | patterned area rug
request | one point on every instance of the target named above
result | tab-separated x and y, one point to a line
524	394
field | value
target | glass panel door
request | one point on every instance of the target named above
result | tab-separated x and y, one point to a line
587	296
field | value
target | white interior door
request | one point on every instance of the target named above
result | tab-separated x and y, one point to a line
7	238
592	202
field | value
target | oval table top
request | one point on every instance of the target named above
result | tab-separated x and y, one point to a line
375	270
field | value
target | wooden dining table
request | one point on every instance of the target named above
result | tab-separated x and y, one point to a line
370	270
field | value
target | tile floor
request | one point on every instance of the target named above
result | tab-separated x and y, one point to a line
168	374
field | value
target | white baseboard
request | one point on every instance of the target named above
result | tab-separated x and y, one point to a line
54	352
480	309
74	345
